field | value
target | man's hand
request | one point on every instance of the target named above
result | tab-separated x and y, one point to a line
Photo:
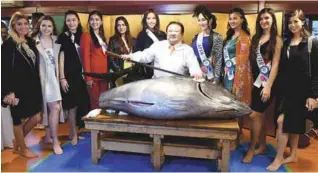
198	77
216	83
125	57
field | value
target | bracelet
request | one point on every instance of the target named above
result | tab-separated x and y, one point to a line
62	78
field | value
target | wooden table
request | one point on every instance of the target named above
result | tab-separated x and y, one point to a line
185	138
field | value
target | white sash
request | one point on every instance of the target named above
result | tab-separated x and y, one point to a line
263	68
126	45
206	67
229	64
50	54
152	36
127	64
102	43
77	47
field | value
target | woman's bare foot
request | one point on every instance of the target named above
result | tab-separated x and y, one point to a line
74	140
290	159
260	150
57	149
248	157
15	147
276	164
27	153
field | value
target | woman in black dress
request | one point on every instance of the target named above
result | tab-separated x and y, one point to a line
121	42
74	93
150	33
265	54
21	86
298	76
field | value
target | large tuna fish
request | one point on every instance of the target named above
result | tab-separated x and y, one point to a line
173	98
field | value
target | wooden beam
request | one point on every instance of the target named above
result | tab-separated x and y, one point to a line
128	7
261	5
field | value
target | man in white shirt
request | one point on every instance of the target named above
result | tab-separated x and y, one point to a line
170	54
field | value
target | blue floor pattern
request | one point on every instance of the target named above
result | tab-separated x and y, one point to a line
78	159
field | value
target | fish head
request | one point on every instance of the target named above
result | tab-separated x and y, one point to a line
223	101
241	108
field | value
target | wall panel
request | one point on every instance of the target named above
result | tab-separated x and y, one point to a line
190	24
134	23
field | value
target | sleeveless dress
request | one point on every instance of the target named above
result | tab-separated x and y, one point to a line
77	95
257	104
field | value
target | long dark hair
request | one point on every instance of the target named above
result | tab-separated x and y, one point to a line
259	32
144	20
128	36
36	29
301	16
201	9
79	27
101	28
230	32
206	13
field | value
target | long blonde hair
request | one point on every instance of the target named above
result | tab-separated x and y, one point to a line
14	35
15	17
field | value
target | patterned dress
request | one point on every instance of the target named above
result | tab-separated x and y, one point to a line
213	49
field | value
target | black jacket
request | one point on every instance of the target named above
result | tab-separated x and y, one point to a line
116	46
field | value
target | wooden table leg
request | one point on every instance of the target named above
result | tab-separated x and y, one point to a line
157	152
225	155
95	144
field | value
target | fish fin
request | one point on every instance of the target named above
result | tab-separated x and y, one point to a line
118	100
139	103
93	113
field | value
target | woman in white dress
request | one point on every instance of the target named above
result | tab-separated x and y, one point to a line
44	34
